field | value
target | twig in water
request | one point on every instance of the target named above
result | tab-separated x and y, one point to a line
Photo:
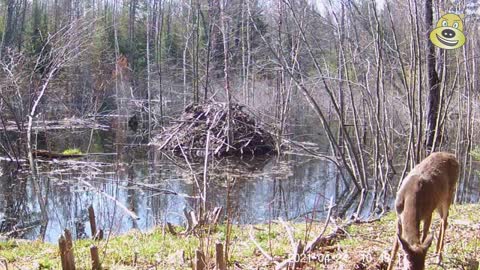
190	167
124	208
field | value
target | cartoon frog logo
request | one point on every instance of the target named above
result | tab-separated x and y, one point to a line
449	32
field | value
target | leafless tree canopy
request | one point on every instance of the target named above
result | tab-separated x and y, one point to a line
359	78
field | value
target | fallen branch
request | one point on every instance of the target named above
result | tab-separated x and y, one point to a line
289	233
123	207
298	251
264	253
312	244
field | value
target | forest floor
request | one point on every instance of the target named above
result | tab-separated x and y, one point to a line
361	246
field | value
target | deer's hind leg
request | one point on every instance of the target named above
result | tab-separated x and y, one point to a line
443	227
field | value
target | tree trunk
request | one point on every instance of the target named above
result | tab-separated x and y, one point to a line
131	40
158	51
9	33
225	32
149	94
433	99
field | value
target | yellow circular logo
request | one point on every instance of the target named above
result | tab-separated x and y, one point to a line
449	32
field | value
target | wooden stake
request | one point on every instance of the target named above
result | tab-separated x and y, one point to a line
69	245
62	245
219	258
93	223
199	260
95	258
65	245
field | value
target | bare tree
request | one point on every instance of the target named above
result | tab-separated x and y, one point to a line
225	30
58	51
433	98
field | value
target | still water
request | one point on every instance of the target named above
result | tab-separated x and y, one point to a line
136	187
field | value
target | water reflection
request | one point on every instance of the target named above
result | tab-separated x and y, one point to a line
13	199
157	189
280	188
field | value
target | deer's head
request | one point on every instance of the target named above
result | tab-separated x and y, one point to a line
415	254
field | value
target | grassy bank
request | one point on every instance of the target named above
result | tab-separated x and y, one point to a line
359	246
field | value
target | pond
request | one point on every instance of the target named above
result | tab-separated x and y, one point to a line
133	186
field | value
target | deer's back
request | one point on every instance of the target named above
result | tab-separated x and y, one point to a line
439	167
431	183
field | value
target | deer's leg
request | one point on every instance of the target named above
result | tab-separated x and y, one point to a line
426	227
441	238
395	246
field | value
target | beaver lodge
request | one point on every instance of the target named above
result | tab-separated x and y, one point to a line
206	126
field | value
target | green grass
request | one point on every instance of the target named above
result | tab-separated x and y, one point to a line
365	246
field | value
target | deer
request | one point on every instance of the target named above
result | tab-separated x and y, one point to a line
430	185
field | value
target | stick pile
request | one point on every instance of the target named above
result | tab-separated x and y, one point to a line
206	125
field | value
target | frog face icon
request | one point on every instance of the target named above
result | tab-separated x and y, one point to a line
449	32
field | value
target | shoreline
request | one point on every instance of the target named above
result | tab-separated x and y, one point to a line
364	245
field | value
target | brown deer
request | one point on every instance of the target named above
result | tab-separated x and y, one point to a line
429	186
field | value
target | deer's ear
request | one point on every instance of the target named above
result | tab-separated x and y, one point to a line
442	13
427	243
405	245
462	16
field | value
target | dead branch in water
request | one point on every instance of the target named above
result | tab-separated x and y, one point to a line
121	205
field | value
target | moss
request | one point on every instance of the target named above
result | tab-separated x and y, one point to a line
72	151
